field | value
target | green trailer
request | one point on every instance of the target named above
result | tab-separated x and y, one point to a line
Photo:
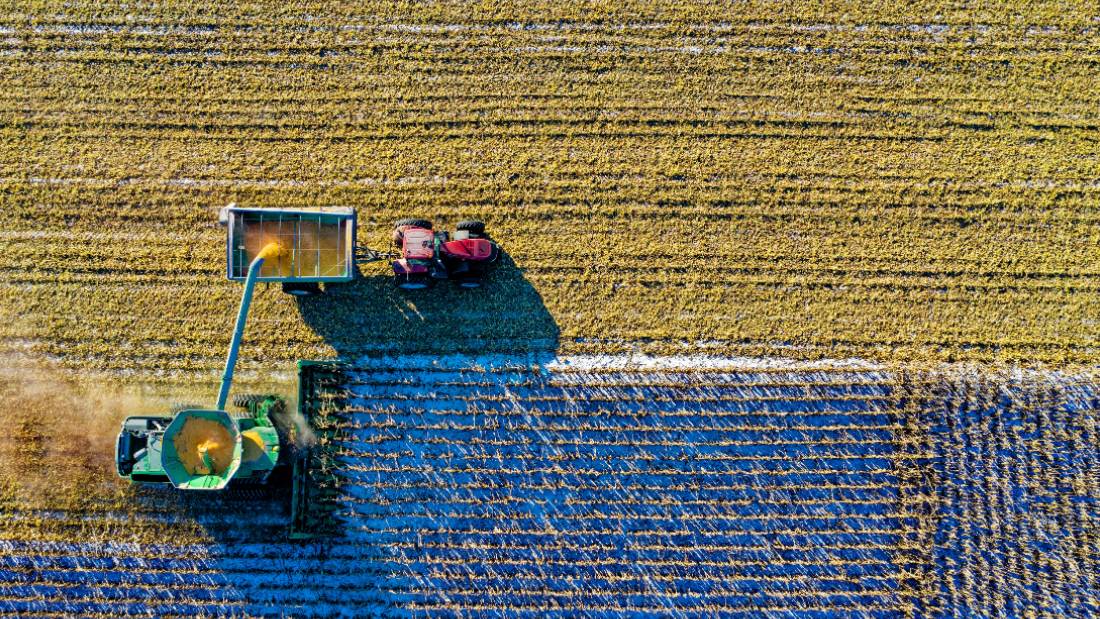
319	245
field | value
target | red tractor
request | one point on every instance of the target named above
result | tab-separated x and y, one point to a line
427	255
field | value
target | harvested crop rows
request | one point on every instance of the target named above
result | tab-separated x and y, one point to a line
602	485
880	185
703	210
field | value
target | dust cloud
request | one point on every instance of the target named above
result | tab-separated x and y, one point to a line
56	431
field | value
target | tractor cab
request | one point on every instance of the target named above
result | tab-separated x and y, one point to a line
428	255
473	250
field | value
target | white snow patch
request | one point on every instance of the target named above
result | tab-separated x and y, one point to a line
702	362
118	29
633	361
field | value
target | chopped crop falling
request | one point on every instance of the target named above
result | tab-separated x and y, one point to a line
602	309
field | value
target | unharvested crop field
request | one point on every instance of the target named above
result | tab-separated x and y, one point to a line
598	486
854	180
704	207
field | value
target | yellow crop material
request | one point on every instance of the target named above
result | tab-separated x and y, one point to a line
252	446
272	250
204	447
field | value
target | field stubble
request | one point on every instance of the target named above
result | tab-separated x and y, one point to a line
888	190
666	178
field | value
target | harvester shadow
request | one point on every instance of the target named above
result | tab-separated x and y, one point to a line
232	515
371	316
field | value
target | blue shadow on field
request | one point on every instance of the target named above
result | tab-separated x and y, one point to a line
370	316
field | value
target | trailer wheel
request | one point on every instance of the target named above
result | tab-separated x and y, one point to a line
302	289
475	228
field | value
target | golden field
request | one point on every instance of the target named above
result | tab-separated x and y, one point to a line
851	181
768	189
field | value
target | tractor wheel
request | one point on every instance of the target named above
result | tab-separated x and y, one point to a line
414	222
475	228
302	289
405	282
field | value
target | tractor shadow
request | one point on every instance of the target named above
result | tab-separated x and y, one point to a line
370	316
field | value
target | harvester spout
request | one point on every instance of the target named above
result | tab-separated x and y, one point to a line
271	250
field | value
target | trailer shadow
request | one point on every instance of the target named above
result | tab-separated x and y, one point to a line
371	316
